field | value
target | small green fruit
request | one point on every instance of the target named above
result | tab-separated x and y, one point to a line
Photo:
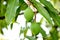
35	28
28	14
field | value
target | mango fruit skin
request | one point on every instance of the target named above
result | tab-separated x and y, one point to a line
28	14
35	28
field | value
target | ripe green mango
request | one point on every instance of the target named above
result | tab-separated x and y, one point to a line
28	14
35	28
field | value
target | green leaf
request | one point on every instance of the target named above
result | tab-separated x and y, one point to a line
56	4
11	25
28	14
35	28
49	6
11	11
2	25
52	11
41	20
22	4
43	32
25	31
21	7
30	38
54	34
54	16
42	11
54	1
21	30
1	32
2	8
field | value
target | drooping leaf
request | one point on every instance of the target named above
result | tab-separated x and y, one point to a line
55	17
49	6
54	34
2	25
25	31
42	11
56	4
30	38
11	11
22	6
21	30
43	32
54	1
2	8
21	2
41	20
11	25
52	11
28	14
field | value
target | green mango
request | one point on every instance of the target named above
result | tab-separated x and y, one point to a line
28	14
35	28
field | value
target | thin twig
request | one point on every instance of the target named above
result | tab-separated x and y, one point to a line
30	5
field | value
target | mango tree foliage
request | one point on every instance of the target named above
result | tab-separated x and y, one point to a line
20	8
42	12
10	11
56	4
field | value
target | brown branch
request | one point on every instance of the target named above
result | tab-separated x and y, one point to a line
30	5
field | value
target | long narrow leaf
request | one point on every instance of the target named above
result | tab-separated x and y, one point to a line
11	11
42	11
